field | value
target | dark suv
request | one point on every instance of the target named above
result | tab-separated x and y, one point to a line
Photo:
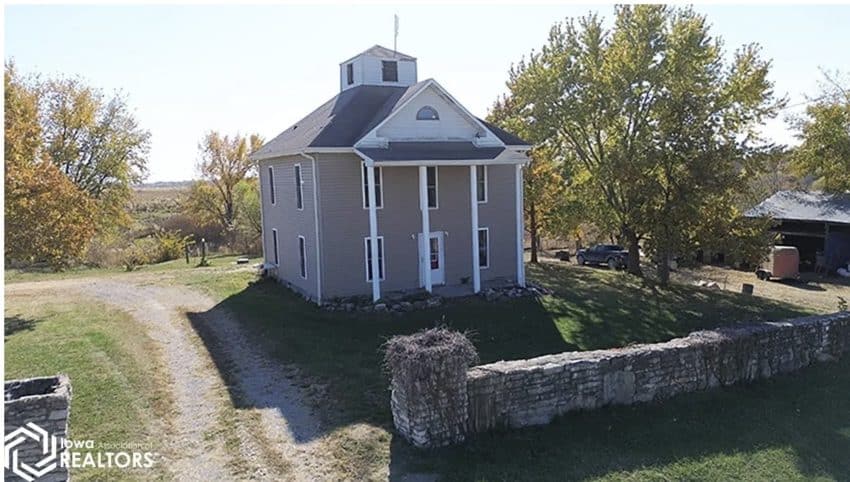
612	255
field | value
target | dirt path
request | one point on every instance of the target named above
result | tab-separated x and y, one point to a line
222	385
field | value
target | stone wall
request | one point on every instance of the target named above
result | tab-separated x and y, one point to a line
46	403
531	392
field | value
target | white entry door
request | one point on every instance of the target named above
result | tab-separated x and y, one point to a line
435	258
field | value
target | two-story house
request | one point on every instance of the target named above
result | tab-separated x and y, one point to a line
392	185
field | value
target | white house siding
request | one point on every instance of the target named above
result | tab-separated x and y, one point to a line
344	224
290	222
452	125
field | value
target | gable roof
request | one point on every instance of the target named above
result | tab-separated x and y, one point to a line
804	206
381	51
347	117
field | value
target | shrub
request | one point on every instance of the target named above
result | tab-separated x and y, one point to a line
425	351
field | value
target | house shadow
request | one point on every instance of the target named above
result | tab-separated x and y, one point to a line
335	359
16	323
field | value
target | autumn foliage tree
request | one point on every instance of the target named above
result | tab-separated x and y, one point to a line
227	194
825	134
48	219
659	124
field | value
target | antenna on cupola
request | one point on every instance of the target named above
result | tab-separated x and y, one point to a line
395	36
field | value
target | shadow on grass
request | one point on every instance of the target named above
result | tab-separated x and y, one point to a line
16	323
344	349
589	309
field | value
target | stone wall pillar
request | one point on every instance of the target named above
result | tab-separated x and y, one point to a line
429	397
37	410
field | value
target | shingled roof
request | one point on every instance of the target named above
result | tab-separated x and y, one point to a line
350	115
804	206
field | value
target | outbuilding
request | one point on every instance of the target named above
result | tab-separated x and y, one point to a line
817	223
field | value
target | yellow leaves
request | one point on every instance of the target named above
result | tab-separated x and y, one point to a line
47	217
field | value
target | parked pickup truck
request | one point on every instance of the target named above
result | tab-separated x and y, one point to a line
615	257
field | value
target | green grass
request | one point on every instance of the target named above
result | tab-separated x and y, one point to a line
786	428
118	395
42	274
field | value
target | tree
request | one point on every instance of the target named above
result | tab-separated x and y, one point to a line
96	142
545	197
23	132
224	165
651	113
825	135
48	219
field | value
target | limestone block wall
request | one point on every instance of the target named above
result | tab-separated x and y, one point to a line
46	403
531	392
519	393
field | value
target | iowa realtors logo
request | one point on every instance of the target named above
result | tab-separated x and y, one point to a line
49	454
31	442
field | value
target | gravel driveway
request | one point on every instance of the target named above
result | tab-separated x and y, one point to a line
278	437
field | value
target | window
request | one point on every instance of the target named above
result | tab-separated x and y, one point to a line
483	247
427	113
389	70
302	251
349	71
368	244
379	194
299	188
432	187
481	187
271	184
275	248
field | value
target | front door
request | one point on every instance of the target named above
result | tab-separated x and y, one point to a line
436	259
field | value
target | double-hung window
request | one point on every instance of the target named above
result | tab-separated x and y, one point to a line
302	251
483	247
271	185
379	194
275	247
368	244
481	187
433	203
349	73
299	188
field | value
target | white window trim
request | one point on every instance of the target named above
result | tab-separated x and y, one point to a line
272	190
364	189
302	256
486	186
276	247
488	248
436	187
299	176
382	258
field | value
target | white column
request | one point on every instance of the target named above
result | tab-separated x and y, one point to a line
373	232
425	251
473	208
520	231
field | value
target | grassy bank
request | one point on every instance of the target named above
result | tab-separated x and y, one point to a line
118	396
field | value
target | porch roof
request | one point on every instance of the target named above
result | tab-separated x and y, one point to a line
414	152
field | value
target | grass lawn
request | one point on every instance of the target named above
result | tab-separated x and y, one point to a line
787	428
117	397
41	274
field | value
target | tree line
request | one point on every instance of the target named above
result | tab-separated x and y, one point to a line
72	156
646	131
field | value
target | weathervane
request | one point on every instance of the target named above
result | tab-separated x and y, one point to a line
395	36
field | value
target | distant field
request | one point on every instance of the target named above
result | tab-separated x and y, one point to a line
155	202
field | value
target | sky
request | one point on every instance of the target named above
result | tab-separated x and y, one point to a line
190	69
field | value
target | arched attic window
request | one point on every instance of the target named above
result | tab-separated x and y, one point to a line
427	113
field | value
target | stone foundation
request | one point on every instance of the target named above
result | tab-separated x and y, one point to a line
44	402
519	393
